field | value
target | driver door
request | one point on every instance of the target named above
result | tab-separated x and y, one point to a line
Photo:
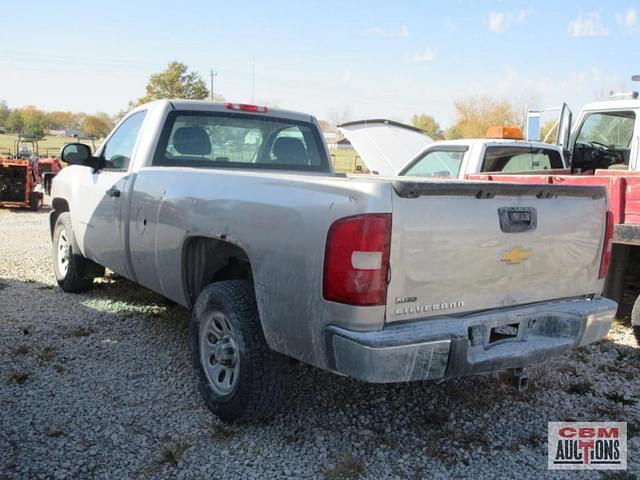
99	228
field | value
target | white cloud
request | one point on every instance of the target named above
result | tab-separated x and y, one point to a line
499	21
346	76
403	31
587	25
428	55
629	19
524	13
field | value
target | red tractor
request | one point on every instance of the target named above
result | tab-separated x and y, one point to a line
24	176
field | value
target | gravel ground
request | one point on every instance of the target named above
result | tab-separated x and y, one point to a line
100	385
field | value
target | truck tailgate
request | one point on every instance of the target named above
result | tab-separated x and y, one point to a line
469	246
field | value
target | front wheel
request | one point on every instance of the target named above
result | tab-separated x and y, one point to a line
240	377
73	272
635	319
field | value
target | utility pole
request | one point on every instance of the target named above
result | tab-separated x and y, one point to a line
253	79
211	75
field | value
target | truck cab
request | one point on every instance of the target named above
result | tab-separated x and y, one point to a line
391	148
606	136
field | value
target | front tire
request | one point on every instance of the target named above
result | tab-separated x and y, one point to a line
635	319
71	269
240	377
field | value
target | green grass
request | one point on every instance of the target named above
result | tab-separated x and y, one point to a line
346	160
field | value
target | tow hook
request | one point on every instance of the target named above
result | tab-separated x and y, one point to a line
519	379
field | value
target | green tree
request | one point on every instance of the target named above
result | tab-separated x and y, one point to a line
14	122
452	133
175	82
78	118
474	115
60	120
35	121
4	113
429	125
96	126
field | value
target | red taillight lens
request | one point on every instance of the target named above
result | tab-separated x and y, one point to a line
356	260
245	107
608	246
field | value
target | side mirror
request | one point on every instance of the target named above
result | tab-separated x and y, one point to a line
79	154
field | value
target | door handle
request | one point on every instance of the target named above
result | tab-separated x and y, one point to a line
113	192
517	219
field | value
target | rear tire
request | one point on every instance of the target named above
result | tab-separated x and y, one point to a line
35	201
73	272
240	377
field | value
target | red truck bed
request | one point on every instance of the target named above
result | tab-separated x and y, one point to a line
623	189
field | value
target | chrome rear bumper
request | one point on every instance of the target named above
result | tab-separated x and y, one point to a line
453	346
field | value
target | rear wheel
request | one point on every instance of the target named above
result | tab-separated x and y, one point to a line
73	272
240	377
35	201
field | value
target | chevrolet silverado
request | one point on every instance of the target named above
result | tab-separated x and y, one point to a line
234	211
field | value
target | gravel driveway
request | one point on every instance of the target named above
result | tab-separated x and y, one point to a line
100	385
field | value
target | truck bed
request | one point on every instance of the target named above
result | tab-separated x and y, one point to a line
623	189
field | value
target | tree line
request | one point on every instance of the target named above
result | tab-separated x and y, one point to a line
32	121
473	116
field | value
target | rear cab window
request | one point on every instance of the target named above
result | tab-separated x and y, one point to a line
507	158
237	140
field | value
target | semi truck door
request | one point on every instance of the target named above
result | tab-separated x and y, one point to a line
564	127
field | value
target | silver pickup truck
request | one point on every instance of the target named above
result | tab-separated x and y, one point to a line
234	211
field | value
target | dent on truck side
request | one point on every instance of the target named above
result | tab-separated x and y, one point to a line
277	223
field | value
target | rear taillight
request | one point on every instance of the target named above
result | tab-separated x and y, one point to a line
608	246
245	107
356	260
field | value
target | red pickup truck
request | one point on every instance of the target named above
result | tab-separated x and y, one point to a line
604	149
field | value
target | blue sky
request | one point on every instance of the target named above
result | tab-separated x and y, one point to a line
383	59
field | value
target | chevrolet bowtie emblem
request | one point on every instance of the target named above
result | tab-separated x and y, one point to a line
516	256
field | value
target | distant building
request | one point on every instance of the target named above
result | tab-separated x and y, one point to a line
69	132
343	143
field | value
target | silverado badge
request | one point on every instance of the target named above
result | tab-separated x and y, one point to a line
515	256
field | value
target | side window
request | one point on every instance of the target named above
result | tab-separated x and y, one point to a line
118	150
545	159
520	159
437	163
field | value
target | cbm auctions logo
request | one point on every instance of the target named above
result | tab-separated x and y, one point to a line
587	446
